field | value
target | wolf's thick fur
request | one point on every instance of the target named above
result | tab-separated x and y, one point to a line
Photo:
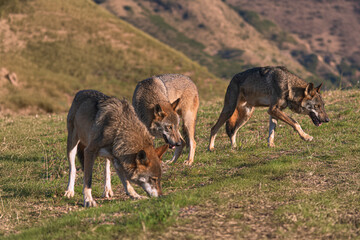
160	100
99	125
275	87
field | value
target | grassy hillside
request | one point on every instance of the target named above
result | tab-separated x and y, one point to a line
208	31
297	190
326	33
58	47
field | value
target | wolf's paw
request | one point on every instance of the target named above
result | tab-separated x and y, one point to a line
271	142
169	162
211	148
89	203
233	144
142	197
108	193
69	193
138	197
307	137
188	163
135	196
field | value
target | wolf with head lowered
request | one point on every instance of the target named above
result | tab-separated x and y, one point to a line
273	87
99	125
161	101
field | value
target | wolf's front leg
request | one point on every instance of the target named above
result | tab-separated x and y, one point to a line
272	126
275	112
107	184
302	134
130	191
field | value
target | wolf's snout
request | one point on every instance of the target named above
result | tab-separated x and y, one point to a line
178	144
327	119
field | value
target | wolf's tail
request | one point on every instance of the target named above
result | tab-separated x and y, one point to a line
80	154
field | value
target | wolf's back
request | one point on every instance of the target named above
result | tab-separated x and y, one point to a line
82	96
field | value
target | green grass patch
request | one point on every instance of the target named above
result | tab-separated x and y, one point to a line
296	190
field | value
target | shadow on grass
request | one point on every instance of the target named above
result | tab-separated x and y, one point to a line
37	190
19	159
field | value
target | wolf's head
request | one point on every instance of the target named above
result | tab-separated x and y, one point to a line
147	172
166	123
313	105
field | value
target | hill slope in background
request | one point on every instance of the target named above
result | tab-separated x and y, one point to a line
208	31
327	32
59	47
315	39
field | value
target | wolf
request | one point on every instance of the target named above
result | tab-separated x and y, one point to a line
160	102
273	87
99	125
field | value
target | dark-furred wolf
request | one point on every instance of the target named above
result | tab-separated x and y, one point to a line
273	87
160	101
99	125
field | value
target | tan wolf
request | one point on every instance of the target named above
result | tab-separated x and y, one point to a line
160	101
276	88
99	125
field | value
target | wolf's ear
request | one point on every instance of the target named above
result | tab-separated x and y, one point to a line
309	90
161	150
141	158
158	111
318	87
175	104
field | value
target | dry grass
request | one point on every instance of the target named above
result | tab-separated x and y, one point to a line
297	190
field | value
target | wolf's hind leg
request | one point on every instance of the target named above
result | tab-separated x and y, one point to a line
72	143
107	183
230	103
90	156
240	117
224	116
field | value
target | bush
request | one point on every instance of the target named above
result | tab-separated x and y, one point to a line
254	19
346	69
309	61
230	53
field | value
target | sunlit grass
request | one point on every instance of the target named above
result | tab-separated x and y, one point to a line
295	190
